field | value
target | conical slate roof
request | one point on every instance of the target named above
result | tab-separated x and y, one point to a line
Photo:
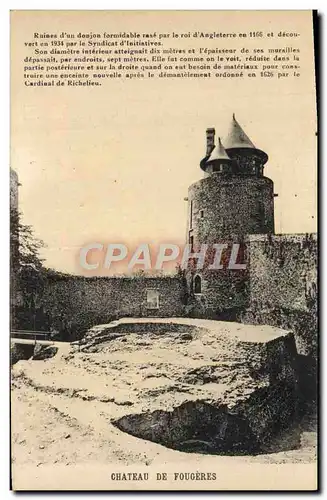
237	138
219	153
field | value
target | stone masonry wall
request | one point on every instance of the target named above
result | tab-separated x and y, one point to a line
282	291
224	292
283	270
73	303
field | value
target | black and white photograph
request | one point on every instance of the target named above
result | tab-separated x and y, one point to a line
163	251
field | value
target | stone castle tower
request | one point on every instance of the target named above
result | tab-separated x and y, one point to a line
233	199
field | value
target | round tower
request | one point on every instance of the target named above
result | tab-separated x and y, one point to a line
233	199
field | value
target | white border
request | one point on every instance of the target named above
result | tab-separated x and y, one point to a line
4	180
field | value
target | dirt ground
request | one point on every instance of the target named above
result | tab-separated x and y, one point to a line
62	410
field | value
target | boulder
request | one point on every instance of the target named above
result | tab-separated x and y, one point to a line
44	351
200	385
20	351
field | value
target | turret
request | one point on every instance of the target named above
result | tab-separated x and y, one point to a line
249	159
218	161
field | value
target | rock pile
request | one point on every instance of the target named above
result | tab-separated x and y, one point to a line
200	385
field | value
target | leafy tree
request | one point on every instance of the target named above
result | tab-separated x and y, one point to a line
25	246
26	272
